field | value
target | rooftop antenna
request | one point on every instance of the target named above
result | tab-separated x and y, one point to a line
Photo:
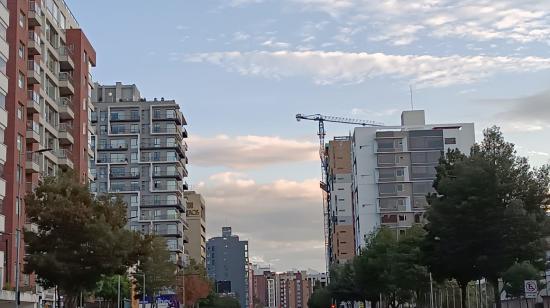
411	90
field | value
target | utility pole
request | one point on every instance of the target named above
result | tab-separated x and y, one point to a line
118	297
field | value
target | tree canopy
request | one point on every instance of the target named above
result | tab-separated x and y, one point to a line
160	271
80	238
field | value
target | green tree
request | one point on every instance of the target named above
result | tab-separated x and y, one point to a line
488	213
342	287
392	267
160	271
320	298
107	288
515	277
80	238
215	301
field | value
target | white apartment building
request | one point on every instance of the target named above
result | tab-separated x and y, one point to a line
394	169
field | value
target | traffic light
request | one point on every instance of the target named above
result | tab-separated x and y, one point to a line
332	305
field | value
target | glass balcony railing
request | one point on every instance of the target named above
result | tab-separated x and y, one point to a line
33	36
33	65
33	7
65	127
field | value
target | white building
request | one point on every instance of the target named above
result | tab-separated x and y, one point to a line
394	169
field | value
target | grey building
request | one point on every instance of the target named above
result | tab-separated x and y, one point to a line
227	264
140	154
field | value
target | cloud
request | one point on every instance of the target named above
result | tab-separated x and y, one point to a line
279	219
520	21
353	68
271	43
530	113
247	152
240	36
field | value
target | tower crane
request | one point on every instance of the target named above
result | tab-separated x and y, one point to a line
321	119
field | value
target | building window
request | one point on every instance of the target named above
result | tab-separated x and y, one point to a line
450	140
134	158
21	19
21	50
2	100
19	143
3	65
20	112
21	80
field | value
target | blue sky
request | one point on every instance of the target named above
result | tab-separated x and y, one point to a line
241	70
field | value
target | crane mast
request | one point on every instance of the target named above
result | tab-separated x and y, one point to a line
324	184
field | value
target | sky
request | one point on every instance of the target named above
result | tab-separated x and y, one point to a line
242	69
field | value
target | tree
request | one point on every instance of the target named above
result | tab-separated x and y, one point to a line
515	277
342	286
80	238
197	285
107	288
215	301
488	213
392	267
155	263
320	298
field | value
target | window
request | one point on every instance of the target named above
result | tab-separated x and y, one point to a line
20	112
400	172
134	157
21	19
134	201
19	143
3	64
134	171
450	140
3	30
134	143
21	50
21	80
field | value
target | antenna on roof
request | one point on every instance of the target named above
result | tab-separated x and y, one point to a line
411	90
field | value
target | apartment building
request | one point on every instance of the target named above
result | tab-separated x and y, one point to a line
293	289
394	169
140	154
227	265
47	98
196	234
4	56
341	242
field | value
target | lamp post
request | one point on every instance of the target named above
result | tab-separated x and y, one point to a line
18	225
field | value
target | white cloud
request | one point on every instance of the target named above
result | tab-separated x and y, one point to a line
280	219
240	36
271	43
352	68
246	152
519	21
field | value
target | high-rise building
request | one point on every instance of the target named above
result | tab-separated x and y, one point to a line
4	55
293	289
341	243
394	169
196	234
227	265
140	154
47	98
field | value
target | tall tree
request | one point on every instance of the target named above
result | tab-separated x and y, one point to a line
197	285
80	238
320	299
515	277
155	263
488	213
107	288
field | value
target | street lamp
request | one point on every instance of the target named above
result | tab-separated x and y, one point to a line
18	225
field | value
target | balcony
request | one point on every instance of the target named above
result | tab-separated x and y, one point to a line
66	87
112	147
2	188
169	233
34	46
33	72
33	132
152	202
33	102
3	153
158	143
35	14
64	158
159	157
66	109
166	187
33	163
65	134
116	130
65	58
124	175
168	115
167	130
30	187
168	174
93	117
124	187
124	117
108	160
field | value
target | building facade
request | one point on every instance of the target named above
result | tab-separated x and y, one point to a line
293	289
227	264
140	154
341	242
4	56
394	168
47	98
196	234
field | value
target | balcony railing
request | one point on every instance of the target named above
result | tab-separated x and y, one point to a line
65	76
124	130
103	160
33	7
107	146
150	157
33	126
65	51
166	232
124	117
66	102
33	157
173	216
119	187
65	127
63	154
160	143
124	175
33	36
33	96
166	173
33	65
166	130
161	202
